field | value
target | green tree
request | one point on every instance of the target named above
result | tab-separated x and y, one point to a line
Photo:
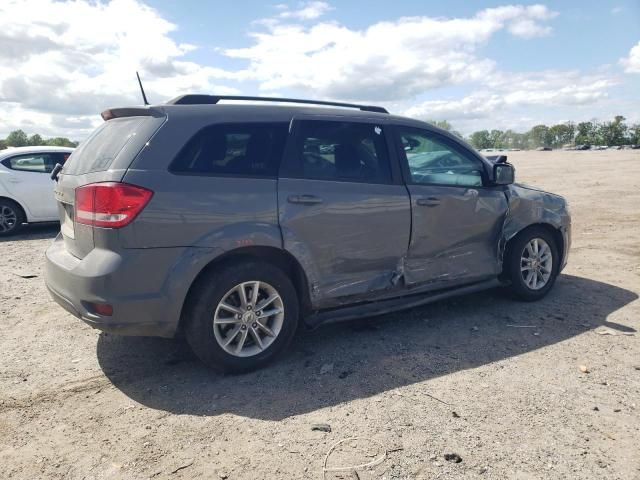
494	138
17	138
586	133
3	144
35	140
480	139
613	133
634	134
443	124
561	134
60	142
539	136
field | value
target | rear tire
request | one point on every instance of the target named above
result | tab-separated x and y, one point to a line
11	217
532	263
232	334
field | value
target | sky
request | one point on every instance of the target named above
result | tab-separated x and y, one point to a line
478	65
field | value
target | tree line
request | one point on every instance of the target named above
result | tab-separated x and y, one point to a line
19	138
612	133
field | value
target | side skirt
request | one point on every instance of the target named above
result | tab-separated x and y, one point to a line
371	309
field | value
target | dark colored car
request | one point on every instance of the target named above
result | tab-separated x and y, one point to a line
236	223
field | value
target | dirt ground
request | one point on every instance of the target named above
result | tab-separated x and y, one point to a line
458	376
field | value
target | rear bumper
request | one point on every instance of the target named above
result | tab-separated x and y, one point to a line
132	281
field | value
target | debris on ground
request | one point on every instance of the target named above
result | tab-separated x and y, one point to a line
522	326
452	457
584	369
25	275
184	465
455	414
612	332
321	427
378	458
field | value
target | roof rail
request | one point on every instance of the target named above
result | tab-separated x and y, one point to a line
194	99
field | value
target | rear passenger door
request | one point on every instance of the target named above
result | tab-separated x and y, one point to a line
343	210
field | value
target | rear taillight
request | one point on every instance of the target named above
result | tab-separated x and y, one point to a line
109	204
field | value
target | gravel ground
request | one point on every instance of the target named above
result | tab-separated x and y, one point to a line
452	377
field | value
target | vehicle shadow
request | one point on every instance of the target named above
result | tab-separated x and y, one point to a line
35	231
365	357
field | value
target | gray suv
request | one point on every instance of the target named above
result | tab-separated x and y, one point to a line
233	223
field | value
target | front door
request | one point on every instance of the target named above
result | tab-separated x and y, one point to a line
457	217
342	212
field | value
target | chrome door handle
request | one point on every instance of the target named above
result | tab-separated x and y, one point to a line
428	202
14	180
304	199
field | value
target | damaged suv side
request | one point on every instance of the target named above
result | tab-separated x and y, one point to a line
236	223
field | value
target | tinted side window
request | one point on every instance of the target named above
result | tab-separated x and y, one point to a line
61	158
34	162
253	149
434	160
343	151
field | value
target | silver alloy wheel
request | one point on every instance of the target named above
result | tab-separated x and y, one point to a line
8	219
536	263
248	319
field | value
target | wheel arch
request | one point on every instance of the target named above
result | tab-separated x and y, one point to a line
273	255
553	230
25	213
13	200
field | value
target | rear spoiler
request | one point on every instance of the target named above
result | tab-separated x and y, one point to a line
131	112
496	158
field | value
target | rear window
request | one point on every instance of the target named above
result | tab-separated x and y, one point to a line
247	149
98	151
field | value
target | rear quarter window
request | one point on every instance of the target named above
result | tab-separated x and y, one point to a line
98	151
246	149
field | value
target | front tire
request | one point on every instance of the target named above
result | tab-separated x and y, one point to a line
11	217
533	263
240	317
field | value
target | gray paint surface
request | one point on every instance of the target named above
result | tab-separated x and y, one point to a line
334	241
363	242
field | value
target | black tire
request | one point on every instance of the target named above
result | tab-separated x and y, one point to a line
210	291
518	287
13	224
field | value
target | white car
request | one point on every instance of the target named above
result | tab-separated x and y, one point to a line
26	188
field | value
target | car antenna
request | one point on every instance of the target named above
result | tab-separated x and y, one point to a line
144	97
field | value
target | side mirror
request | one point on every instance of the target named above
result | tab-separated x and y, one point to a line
503	174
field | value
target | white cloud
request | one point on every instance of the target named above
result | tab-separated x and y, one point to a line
631	63
389	60
308	10
61	63
509	92
74	59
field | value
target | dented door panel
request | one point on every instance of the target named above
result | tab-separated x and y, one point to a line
352	243
456	240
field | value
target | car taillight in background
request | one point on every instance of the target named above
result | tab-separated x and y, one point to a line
109	204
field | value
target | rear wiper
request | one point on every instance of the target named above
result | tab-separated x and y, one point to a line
56	171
